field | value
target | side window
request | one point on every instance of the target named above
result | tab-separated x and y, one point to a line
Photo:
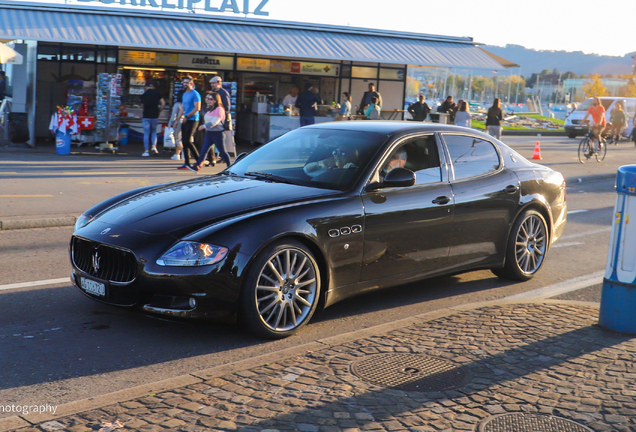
471	156
419	155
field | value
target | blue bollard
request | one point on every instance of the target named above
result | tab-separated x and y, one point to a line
618	298
62	143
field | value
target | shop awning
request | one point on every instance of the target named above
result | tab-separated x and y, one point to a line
505	63
198	33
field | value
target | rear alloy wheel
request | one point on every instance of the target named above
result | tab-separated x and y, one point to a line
282	290
527	246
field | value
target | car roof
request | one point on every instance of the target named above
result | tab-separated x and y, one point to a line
390	127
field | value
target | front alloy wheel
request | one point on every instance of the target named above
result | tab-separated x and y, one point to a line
282	290
527	246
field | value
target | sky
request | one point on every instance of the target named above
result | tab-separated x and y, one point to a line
559	25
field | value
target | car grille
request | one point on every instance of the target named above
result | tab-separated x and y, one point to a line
114	265
576	122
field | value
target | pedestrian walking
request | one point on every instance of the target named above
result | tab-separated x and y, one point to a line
494	118
190	121
175	124
345	108
153	104
228	132
618	121
307	102
213	126
366	98
462	117
420	109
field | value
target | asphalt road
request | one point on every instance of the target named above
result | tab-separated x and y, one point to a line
57	346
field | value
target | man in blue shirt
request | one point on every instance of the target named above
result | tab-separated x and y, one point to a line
191	108
307	102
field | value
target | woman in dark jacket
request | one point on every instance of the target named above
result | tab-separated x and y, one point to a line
495	116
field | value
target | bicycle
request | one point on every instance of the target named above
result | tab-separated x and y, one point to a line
587	147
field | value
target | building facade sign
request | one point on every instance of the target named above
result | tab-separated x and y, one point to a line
137	58
252	65
243	7
167	59
209	62
279	66
309	68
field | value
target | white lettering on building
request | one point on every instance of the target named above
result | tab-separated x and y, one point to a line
192	5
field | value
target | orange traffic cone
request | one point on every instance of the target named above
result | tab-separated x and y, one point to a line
537	151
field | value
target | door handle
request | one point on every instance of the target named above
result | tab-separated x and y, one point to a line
510	189
441	200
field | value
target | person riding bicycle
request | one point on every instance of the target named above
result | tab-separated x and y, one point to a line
597	111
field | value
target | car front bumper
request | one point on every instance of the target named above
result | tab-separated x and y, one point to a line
210	292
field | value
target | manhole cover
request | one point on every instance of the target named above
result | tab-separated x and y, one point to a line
530	423
411	372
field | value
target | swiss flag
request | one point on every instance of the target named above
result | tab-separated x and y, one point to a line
86	122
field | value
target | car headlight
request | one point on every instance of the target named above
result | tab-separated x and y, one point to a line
82	221
187	253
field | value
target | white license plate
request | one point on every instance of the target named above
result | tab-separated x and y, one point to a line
92	287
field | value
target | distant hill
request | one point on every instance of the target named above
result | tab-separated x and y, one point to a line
533	61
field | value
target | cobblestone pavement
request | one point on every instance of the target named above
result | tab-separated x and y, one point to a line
453	373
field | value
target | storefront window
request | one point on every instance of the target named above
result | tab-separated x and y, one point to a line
79	53
49	52
364	72
107	55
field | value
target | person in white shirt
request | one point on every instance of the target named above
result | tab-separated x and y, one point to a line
290	99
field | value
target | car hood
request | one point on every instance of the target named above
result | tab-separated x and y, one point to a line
184	207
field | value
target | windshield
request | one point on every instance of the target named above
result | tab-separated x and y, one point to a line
324	158
588	103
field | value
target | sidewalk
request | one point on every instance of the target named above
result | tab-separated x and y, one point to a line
495	366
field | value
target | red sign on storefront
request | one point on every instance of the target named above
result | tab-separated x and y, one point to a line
295	67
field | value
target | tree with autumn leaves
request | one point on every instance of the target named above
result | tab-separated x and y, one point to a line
594	87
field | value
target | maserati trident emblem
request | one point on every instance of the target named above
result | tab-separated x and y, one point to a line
96	259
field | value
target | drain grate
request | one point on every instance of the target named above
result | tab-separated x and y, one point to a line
411	372
530	423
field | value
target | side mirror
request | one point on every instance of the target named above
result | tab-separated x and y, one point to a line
399	177
239	157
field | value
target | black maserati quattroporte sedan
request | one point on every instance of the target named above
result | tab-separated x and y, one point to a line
320	214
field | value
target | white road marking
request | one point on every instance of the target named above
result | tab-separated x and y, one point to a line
559	244
561	287
585	234
35	283
576	211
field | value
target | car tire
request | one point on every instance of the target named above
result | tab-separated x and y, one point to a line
571	135
526	249
281	290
